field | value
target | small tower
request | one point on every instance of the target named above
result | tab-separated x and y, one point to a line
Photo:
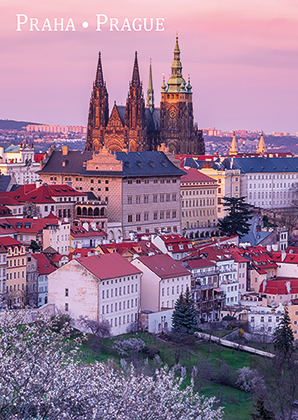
233	149
261	147
98	111
135	118
150	91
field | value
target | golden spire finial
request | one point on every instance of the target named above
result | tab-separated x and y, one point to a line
177	35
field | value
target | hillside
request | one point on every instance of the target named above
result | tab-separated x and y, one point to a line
14	125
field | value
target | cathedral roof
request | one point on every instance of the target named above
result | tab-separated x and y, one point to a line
134	164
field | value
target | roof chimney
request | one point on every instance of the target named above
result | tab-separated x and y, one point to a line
64	150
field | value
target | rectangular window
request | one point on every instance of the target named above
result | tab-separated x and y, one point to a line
174	197
146	199
66	292
146	216
162	215
129	218
66	307
154	198
138	199
138	217
168	214
129	199
168	197
174	214
162	198
155	215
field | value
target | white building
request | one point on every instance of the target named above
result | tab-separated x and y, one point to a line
101	287
164	279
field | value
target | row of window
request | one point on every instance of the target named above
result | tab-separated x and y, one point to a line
118	321
162	215
196	192
9	275
287	176
15	288
145	198
268	195
201	212
106	294
119	306
277	185
173	290
15	262
155	181
197	203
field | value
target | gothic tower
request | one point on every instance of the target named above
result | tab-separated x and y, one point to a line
150	91
98	111
177	128
135	118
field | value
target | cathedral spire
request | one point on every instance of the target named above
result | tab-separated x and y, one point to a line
176	83
233	149
150	90
99	73
135	81
262	147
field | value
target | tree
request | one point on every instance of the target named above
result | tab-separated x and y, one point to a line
280	373
184	319
283	338
236	222
41	378
99	330
262	413
34	246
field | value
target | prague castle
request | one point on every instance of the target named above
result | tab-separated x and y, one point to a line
139	127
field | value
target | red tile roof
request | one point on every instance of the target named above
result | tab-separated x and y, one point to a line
199	263
108	266
194	175
164	266
80	232
279	287
43	264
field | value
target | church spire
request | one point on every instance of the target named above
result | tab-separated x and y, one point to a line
135	81
99	73
262	147
176	83
233	149
150	90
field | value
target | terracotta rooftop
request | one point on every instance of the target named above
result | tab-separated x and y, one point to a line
108	266
164	266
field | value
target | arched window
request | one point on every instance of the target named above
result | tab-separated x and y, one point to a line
90	211
84	211
96	211
79	211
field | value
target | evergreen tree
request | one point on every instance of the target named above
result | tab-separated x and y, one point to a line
283	338
184	320
262	413
236	222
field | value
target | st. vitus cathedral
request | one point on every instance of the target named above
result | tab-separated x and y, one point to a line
136	127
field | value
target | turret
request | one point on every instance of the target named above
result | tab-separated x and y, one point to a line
233	149
261	147
150	91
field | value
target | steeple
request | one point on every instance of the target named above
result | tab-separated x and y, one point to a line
99	73
176	83
262	147
150	91
233	149
135	81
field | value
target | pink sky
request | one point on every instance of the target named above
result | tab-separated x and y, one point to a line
242	56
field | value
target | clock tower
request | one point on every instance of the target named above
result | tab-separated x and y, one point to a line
177	129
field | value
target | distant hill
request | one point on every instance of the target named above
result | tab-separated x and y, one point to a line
14	125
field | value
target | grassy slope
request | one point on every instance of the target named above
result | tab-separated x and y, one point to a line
238	404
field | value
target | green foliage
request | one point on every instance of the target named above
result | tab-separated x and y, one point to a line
34	246
184	319
262	413
283	338
236	222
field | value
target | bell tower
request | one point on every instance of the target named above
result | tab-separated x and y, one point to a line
98	111
177	128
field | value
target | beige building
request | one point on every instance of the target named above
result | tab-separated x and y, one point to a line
15	272
141	189
163	280
100	287
198	204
